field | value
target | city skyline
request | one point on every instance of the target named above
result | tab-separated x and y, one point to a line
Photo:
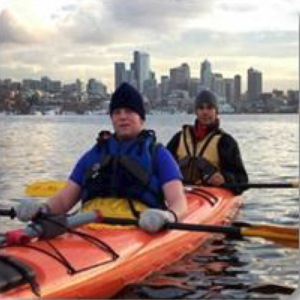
71	39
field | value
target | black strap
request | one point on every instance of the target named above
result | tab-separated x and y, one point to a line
23	272
134	211
208	196
212	135
59	257
186	143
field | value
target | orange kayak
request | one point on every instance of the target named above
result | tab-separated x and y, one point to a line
75	267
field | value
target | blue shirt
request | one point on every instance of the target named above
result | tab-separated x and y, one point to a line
165	167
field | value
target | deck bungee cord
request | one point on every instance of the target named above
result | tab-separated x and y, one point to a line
46	227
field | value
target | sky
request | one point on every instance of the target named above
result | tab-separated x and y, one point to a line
70	39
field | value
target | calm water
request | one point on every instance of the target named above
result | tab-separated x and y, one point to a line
37	147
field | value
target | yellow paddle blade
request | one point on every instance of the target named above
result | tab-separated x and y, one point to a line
44	188
287	236
295	184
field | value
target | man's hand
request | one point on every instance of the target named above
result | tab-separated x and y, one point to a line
216	179
28	210
153	220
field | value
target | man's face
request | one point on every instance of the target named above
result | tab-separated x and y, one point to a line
206	114
127	123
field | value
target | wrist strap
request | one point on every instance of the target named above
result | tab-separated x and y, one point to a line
174	214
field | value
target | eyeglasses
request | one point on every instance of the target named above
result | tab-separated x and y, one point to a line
202	107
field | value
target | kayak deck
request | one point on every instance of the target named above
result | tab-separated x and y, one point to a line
139	253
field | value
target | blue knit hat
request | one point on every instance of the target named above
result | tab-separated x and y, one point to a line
126	96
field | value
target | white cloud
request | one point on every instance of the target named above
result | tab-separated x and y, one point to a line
13	31
67	39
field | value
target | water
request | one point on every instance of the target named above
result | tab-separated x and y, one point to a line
37	147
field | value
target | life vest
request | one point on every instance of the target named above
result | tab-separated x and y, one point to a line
125	170
116	208
190	152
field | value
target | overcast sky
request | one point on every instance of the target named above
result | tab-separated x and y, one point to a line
69	39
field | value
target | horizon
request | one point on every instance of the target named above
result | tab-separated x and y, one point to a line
69	39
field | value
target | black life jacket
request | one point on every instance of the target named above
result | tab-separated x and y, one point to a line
125	170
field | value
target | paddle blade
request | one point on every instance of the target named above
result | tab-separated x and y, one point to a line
44	188
286	236
295	184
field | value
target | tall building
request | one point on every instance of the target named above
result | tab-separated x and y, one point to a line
237	84
80	86
120	73
180	77
141	68
130	78
293	97
31	84
151	89
194	87
165	85
218	84
96	88
45	83
205	74
229	90
254	85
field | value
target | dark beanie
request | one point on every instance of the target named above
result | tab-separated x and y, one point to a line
206	97
126	96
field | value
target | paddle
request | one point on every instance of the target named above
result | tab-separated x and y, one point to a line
276	185
58	225
285	236
279	234
49	188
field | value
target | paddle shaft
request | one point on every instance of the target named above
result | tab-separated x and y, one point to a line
36	230
93	216
262	185
282	235
8	213
228	230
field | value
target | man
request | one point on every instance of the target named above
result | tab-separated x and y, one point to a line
205	153
127	164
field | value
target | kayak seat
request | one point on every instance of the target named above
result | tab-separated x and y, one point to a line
14	273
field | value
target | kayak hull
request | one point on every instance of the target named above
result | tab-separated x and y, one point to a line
140	253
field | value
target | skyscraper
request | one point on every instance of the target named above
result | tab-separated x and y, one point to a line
120	73
229	90
218	84
205	74
237	83
180	77
141	68
165	85
254	85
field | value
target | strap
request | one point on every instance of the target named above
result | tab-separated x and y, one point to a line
24	271
212	134
135	212
174	214
186	143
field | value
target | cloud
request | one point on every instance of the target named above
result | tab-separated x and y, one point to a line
157	14
70	7
135	21
237	6
83	38
87	23
13	31
276	44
